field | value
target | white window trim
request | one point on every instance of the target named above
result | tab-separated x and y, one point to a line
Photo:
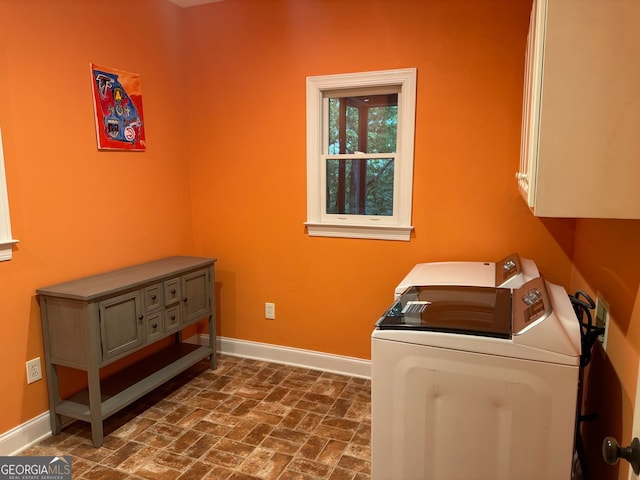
318	222
6	240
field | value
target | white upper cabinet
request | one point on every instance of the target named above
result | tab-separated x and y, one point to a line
580	152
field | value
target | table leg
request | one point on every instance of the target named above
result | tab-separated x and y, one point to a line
95	407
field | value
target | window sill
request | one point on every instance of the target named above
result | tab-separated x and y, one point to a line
6	249
377	232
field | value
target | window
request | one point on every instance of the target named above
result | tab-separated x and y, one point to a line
360	130
6	241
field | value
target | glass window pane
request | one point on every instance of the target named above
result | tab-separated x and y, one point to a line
367	123
360	187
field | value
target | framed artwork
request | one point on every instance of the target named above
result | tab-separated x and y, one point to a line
117	102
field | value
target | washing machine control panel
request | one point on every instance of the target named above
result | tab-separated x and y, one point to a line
507	269
531	305
532	297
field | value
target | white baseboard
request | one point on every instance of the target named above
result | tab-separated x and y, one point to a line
326	362
23	436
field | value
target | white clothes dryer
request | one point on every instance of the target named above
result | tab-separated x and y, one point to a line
510	272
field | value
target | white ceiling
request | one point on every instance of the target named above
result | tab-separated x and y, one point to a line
192	3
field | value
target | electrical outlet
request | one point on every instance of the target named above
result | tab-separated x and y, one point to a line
34	370
602	319
270	311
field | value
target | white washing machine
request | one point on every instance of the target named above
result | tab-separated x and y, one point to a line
475	382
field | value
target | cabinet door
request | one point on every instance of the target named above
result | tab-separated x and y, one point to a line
526	176
121	327
196	301
580	142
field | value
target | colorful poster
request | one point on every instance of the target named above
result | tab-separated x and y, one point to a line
117	101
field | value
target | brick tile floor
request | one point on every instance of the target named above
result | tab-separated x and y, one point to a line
247	420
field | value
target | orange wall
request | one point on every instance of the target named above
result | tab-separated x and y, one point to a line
76	210
247	63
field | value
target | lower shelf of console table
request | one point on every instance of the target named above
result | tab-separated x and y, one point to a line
134	382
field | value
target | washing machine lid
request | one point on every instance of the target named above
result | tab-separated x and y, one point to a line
544	328
461	309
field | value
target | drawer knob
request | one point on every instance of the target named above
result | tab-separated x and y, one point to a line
140	317
154	326
173	317
185	299
153	297
173	291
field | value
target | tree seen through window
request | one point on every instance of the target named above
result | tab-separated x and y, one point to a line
361	125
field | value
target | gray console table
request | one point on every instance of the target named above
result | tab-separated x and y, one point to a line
91	322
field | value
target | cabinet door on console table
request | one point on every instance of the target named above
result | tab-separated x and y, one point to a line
120	324
197	296
91	322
